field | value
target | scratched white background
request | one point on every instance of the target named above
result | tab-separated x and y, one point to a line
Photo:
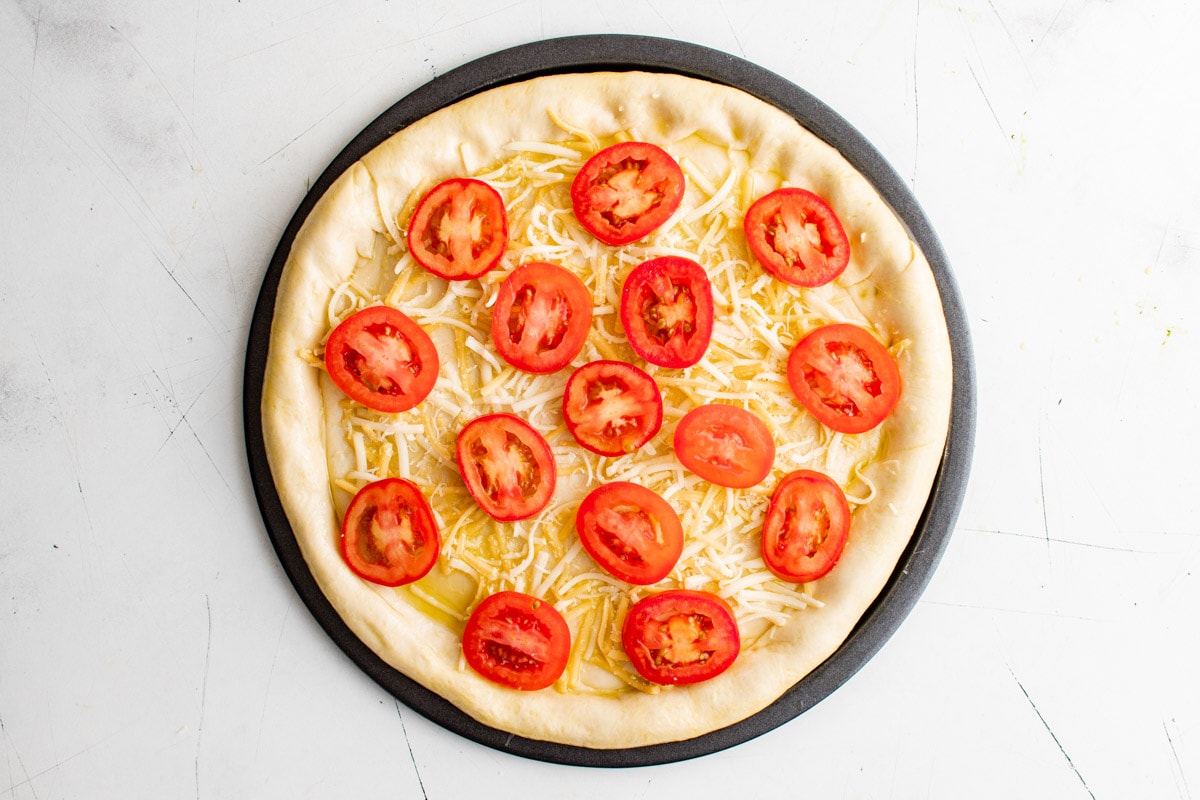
150	156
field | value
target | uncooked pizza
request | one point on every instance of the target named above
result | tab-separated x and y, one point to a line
603	405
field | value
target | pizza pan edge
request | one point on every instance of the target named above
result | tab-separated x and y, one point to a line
599	52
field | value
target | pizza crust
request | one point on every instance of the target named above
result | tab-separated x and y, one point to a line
888	280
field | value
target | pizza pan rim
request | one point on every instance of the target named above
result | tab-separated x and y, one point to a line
624	52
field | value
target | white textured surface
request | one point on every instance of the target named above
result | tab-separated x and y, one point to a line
150	156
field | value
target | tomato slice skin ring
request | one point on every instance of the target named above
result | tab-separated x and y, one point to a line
806	527
725	445
844	377
517	640
667	311
612	408
630	531
389	535
797	237
507	466
541	318
381	358
626	191
680	637
459	229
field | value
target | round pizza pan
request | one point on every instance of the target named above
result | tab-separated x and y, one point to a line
595	53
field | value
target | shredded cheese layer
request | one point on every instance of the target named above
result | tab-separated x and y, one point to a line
758	320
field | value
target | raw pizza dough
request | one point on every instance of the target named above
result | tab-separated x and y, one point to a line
350	252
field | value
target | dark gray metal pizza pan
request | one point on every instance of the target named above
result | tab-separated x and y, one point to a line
595	53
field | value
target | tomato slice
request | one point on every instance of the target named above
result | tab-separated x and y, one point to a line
630	531
507	466
844	377
612	408
381	358
459	229
541	317
797	237
726	445
626	191
389	535
805	530
680	637
517	641
667	311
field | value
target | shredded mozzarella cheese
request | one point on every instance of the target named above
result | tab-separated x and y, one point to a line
759	319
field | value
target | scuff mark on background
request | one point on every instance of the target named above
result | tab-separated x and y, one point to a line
411	755
1050	731
1187	792
203	693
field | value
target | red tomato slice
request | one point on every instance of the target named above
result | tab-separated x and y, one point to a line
807	522
382	359
389	535
631	532
667	311
517	641
844	377
726	445
797	238
541	317
507	466
459	230
681	637
626	191
612	408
